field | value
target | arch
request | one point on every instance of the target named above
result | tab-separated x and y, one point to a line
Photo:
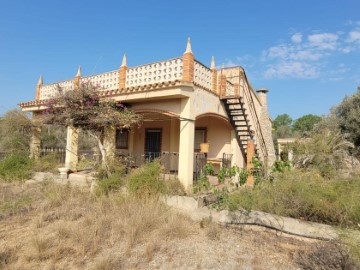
215	115
164	112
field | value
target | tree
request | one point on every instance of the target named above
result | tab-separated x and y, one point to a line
281	128
306	123
85	108
348	113
282	120
15	130
326	151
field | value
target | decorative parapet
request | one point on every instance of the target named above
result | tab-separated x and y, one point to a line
50	90
158	72
139	76
105	81
203	76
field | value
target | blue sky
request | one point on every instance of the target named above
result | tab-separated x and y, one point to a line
306	52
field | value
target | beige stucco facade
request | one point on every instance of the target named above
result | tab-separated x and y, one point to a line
177	97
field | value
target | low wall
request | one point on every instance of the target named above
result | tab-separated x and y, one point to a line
290	226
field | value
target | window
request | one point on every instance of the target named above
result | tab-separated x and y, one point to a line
200	137
122	138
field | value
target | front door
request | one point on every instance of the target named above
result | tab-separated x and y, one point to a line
152	143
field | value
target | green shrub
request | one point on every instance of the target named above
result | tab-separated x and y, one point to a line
304	195
174	187
48	163
146	180
110	179
112	183
226	172
201	185
15	167
281	166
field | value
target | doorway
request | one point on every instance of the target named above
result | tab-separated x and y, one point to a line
152	143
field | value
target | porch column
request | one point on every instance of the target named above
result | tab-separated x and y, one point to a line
71	156
109	142
173	144
186	144
35	142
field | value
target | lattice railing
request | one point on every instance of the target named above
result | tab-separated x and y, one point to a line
51	90
105	81
202	75
168	70
158	72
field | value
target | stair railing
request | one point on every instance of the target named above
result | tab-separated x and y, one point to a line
249	101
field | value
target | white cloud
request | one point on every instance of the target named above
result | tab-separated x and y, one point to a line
292	70
347	49
354	36
309	55
324	41
297	38
281	51
306	55
290	52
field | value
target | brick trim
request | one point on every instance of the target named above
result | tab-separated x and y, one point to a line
188	67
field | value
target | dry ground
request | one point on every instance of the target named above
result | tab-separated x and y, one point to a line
47	226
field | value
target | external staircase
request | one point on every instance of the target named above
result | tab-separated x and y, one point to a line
239	119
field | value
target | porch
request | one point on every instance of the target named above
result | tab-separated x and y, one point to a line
170	160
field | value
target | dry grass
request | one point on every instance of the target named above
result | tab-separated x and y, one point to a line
66	221
63	227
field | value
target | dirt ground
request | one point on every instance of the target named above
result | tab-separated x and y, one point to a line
50	227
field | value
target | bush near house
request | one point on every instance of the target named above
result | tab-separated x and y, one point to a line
145	180
15	167
19	167
304	195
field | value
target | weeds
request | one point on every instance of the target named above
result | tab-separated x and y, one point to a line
304	195
48	163
15	167
146	180
330	256
201	185
73	230
174	187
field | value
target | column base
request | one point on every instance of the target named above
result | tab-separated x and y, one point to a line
64	172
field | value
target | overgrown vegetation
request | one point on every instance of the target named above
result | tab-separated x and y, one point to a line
19	167
67	222
15	167
48	163
48	226
347	113
15	131
333	255
146	181
304	195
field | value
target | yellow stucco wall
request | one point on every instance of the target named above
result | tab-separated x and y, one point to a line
206	102
218	134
